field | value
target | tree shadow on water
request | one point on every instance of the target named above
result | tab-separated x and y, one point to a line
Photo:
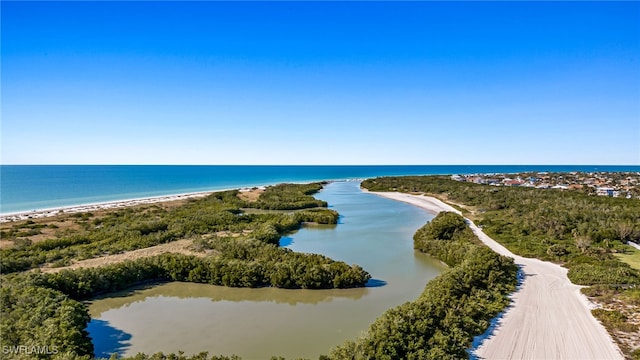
286	241
107	339
375	283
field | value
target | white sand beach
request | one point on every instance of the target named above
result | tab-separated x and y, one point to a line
37	214
548	318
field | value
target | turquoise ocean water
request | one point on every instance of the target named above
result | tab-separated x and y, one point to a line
37	187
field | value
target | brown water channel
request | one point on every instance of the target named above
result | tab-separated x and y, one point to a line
374	232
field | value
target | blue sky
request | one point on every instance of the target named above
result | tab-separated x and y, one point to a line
320	83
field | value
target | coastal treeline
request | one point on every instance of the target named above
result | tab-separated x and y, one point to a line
582	232
453	308
576	229
238	249
284	269
289	197
131	229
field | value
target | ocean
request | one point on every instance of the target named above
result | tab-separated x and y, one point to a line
38	187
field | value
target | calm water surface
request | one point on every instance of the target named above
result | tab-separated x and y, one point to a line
37	187
374	232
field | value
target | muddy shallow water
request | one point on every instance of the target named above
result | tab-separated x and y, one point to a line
373	232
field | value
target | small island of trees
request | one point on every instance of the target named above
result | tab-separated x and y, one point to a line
45	307
581	232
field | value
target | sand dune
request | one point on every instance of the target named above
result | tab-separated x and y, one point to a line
548	319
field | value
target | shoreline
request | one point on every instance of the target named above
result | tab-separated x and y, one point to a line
117	204
107	205
548	317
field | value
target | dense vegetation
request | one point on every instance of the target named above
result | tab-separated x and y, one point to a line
131	229
289	197
454	307
573	228
273	267
31	299
578	230
43	309
35	316
447	238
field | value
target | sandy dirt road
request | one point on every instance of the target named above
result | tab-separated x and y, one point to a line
176	247
548	319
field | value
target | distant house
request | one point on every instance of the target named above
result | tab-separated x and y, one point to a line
605	191
476	179
511	182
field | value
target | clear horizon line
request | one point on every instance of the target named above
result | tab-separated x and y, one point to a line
362	164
